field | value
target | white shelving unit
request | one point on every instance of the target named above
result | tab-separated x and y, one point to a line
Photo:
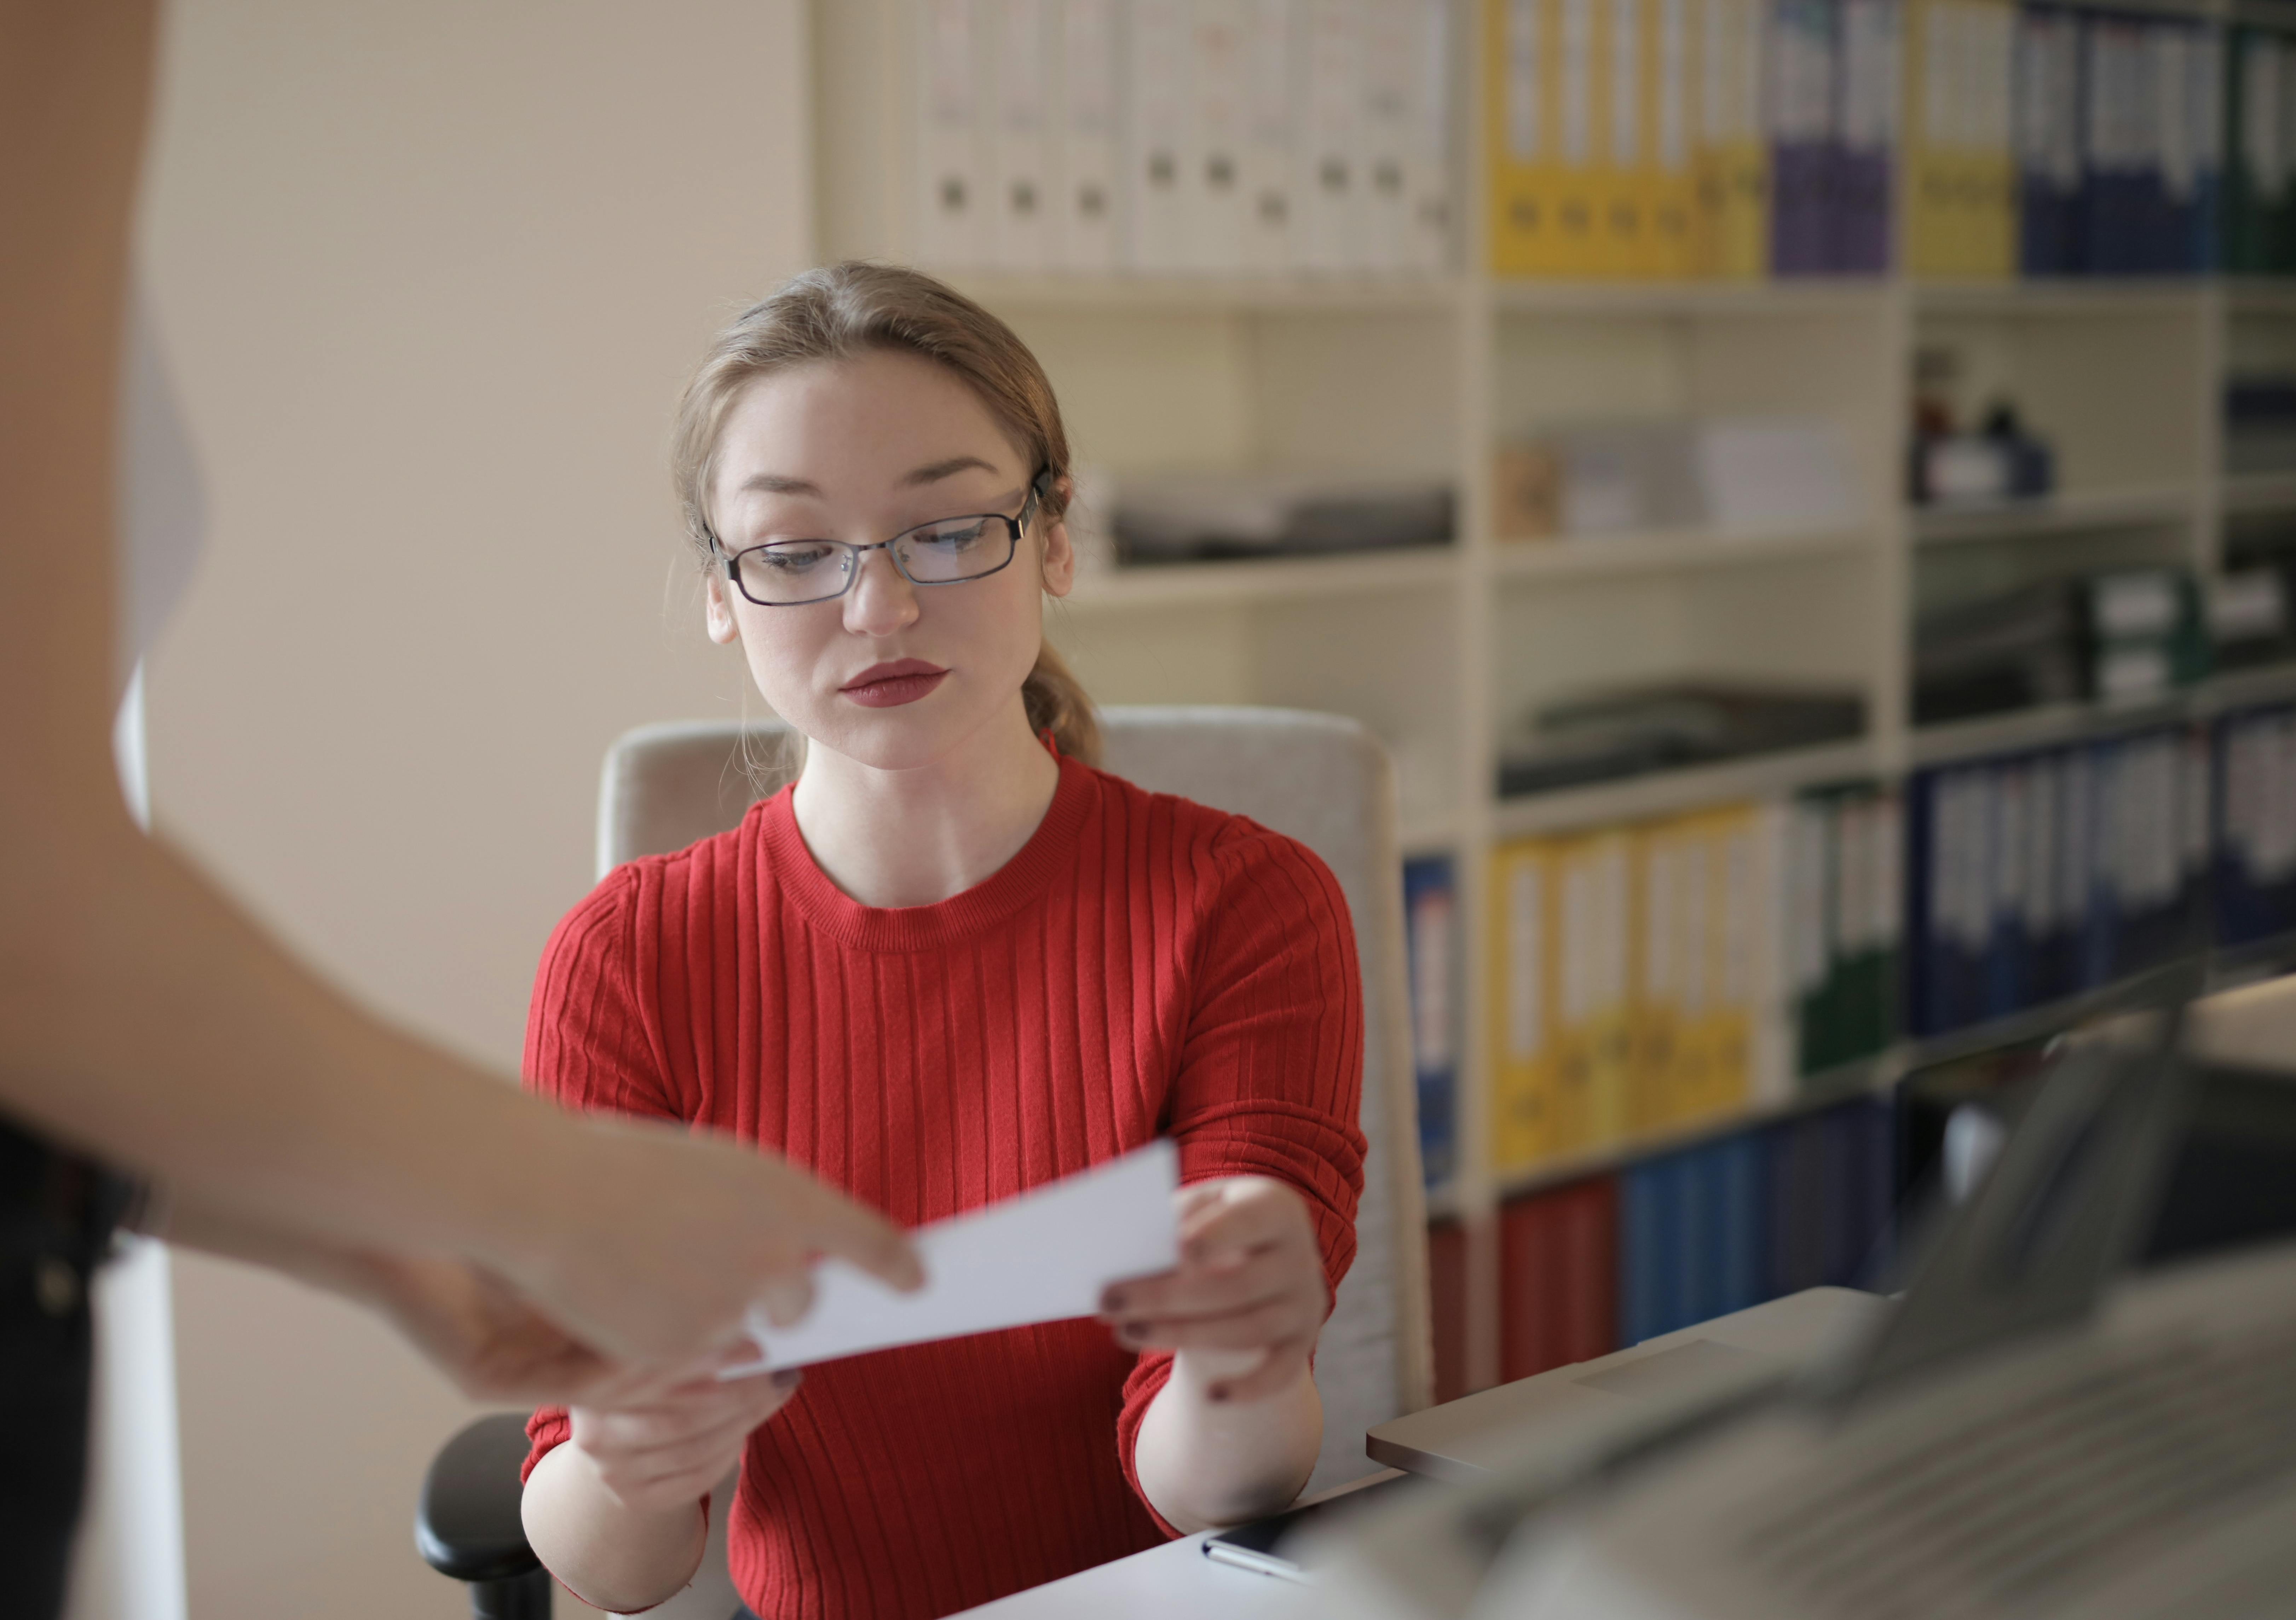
1439	651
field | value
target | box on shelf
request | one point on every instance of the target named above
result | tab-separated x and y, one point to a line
1729	475
1214	517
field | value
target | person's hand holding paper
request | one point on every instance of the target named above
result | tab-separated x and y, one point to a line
1046	1256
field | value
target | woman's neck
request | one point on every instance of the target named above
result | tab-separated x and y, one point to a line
916	838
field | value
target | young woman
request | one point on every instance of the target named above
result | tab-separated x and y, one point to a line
951	963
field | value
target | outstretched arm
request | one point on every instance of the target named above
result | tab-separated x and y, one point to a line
143	1016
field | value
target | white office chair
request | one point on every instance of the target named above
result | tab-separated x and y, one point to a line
1323	781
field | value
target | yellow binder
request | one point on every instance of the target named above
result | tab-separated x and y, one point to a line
1733	161
1539	135
1593	989
1523	1003
1960	169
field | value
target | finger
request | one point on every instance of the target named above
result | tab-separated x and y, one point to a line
839	1226
1276	1372
1262	1325
1194	1291
784	1299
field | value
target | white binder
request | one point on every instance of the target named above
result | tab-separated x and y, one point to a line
1427	152
1085	224
1270	37
1015	72
1384	132
1214	195
1157	148
952	227
1329	185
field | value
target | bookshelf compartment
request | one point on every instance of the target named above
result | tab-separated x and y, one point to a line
2114	389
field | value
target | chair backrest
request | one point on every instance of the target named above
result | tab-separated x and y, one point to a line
1320	778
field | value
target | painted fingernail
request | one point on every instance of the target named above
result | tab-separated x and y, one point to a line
1132	1332
1112	1301
789	1378
1219	1393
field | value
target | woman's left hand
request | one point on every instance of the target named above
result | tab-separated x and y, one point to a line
1250	1279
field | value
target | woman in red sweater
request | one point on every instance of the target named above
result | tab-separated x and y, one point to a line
953	961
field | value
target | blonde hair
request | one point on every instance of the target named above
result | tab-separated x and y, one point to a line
843	310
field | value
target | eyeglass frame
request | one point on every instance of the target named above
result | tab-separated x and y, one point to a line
1039	488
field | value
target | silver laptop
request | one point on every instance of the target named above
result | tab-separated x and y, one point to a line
1467	1439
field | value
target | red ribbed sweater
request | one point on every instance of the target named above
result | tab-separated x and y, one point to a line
1144	967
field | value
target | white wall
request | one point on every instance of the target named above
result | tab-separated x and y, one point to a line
431	273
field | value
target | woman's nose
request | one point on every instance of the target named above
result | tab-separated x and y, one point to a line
881	601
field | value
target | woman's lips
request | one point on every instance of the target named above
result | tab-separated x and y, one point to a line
891	685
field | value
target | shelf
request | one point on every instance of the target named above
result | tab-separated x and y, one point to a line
1427	835
1210	294
2259	295
2259	492
1199	584
1811	1094
2062	296
2065	512
1824	295
2019	730
2244	688
1603	556
2048	723
1656	793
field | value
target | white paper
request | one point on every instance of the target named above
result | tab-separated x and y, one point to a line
1043	1257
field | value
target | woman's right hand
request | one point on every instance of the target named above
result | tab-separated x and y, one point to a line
654	1243
659	1449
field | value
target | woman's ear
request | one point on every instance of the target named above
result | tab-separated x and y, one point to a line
717	611
1059	560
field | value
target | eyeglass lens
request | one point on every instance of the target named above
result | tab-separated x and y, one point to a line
789	572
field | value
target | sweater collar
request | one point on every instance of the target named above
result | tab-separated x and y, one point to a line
789	866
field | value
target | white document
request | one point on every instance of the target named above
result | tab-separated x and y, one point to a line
1043	1257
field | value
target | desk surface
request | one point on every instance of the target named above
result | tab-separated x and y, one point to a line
1176	1579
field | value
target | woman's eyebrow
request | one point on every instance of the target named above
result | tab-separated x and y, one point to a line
775	483
932	473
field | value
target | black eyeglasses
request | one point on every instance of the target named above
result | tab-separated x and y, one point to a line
947	550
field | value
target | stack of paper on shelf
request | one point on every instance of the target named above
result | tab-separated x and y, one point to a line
1628	730
1210	517
1730	475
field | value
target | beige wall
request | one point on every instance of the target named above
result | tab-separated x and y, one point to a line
432	272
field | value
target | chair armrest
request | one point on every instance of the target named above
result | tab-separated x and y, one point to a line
467	1523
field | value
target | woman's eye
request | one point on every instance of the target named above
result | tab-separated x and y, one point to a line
953	537
794	558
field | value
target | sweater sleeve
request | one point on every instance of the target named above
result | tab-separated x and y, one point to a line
1270	1075
590	1044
